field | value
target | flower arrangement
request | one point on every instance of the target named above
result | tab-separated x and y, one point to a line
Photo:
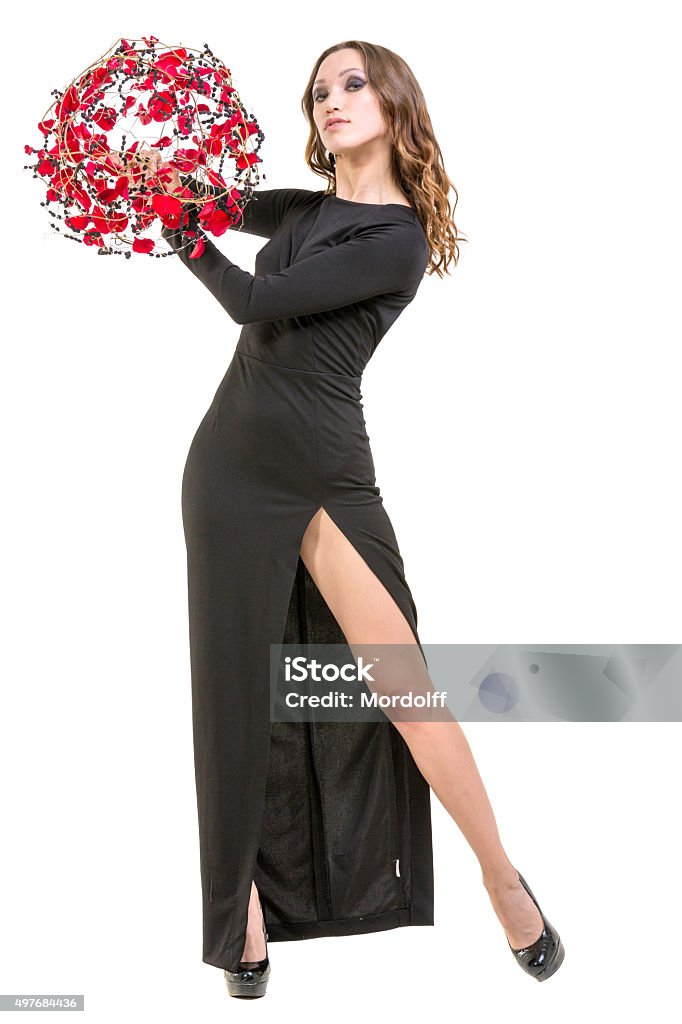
116	139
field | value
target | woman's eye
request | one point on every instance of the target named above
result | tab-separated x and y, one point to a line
321	95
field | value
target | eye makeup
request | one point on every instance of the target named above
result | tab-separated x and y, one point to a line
320	94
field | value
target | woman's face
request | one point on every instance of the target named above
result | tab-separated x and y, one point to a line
341	90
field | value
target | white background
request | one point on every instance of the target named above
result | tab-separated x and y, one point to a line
524	420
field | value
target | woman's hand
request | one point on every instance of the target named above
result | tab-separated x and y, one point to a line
171	173
132	167
143	164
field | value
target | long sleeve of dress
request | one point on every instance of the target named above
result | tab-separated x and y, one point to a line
381	258
262	214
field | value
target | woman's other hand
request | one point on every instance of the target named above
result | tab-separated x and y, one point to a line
169	177
143	165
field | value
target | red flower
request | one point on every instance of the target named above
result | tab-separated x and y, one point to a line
198	249
161	106
247	159
77	223
143	245
99	220
168	208
106	118
219	222
68	104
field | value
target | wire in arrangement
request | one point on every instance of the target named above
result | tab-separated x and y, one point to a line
116	136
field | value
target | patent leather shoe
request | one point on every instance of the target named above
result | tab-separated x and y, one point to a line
251	979
544	956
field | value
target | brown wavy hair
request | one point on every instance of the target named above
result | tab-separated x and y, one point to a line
417	158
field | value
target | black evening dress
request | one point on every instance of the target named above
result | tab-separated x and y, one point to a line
331	820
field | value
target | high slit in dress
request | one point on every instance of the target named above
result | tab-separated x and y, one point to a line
331	820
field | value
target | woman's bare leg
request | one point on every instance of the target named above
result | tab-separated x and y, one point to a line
443	755
367	614
254	947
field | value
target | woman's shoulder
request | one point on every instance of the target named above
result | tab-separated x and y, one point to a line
340	211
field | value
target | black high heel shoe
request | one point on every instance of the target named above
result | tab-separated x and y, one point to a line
544	956
251	980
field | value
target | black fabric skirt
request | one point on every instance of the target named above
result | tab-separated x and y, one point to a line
331	820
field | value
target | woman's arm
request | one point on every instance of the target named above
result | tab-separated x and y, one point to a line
265	210
381	258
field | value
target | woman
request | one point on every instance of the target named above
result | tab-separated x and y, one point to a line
310	829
